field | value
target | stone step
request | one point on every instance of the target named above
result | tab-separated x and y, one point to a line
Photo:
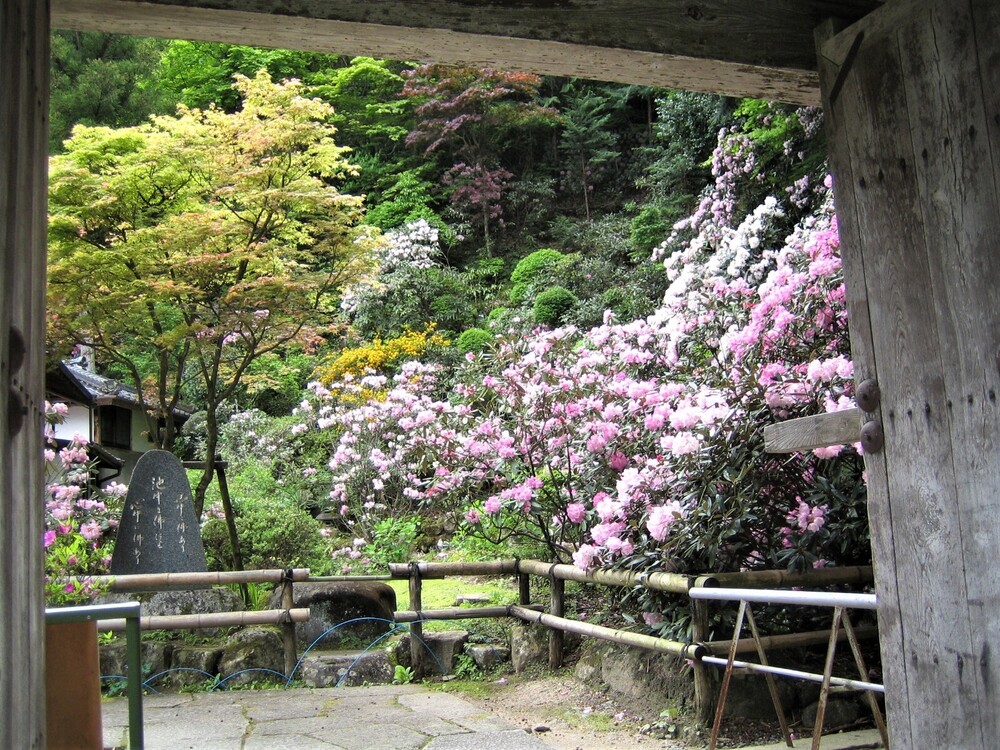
345	669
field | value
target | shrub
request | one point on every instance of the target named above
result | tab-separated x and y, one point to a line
275	534
474	340
379	356
552	305
648	230
530	270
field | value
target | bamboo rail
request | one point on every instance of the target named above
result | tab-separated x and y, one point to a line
445	569
167	581
457	613
214	620
677	648
790	640
668	582
857	575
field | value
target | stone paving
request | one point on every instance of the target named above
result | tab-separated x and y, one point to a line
392	717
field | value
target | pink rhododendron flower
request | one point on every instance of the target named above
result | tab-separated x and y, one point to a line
661	518
585	556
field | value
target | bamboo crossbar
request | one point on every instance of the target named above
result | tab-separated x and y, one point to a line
445	569
796	674
458	613
790	640
214	620
855	574
166	581
669	582
677	648
349	579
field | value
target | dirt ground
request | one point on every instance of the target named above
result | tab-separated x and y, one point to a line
568	715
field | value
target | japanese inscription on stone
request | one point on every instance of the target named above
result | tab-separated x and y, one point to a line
158	532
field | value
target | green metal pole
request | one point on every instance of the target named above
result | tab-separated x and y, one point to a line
133	647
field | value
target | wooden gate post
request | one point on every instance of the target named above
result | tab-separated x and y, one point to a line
24	82
913	110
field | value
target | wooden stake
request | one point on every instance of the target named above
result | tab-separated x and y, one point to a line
416	629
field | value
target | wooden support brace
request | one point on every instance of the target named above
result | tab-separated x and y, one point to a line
824	691
819	431
727	677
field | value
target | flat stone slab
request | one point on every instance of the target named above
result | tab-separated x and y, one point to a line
397	717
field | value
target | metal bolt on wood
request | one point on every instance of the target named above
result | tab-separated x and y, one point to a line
868	395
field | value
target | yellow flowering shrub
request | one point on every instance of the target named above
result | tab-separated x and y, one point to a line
381	356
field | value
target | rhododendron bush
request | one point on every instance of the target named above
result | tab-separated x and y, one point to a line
639	443
79	518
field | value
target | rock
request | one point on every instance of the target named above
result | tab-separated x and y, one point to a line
529	644
648	679
749	697
193	665
253	649
488	657
194	602
345	668
588	668
155	658
840	712
445	648
330	604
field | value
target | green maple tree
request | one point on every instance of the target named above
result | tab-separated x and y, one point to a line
191	247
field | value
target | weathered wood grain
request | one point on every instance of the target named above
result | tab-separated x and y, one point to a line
915	155
734	47
819	431
24	67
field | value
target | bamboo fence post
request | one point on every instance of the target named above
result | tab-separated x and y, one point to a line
523	586
557	605
287	626
704	696
416	629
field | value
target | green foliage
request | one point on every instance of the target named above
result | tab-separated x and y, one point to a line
368	111
474	340
648	230
553	304
272	534
393	540
532	270
466	668
406	200
274	528
201	74
402	675
101	79
586	140
676	166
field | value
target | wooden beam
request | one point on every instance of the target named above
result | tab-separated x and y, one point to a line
912	106
731	47
819	431
24	91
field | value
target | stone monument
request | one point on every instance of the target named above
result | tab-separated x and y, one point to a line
158	532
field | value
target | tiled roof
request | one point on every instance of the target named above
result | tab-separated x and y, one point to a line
106	390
